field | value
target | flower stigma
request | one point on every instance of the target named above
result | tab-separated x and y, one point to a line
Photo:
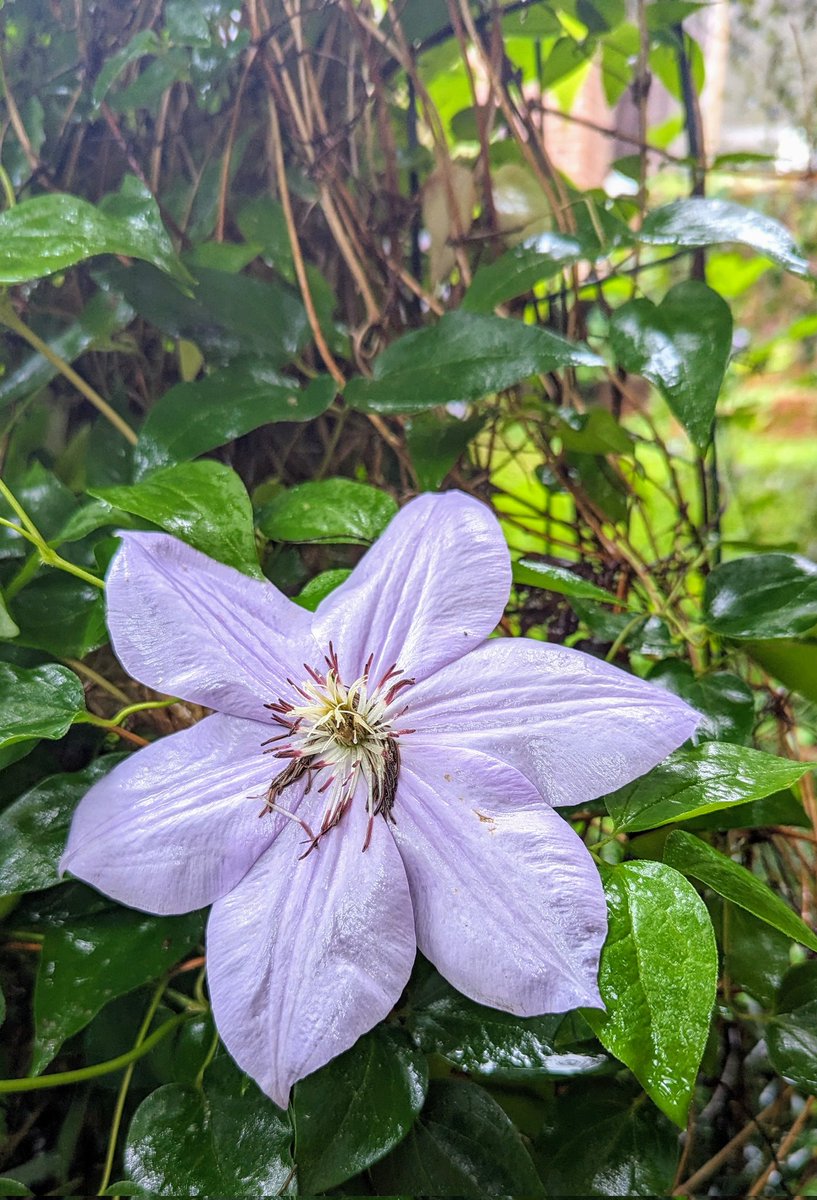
343	734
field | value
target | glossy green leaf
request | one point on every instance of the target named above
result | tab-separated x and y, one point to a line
703	222
762	596
700	780
328	510
60	614
463	1144
34	828
192	418
530	573
463	356
658	975
791	1035
634	1147
51	232
518	270
102	316
682	345
45	498
226	1139
792	661
594	432
94	951
319	588
725	702
691	856
10	1187
755	955
486	1040
42	702
435	442
203	503
780	808
353	1111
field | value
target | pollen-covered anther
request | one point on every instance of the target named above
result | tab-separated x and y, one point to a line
344	733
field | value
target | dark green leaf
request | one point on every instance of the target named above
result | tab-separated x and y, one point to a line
436	442
691	856
42	702
45	499
762	596
700	780
192	418
725	702
594	432
8	627
791	661
791	1035
329	510
319	588
225	1140
93	951
49	233
530	573
756	956
33	829
702	222
144	42
462	1145
634	1148
10	1187
204	503
518	270
60	614
353	1111
658	975
780	808
682	345
462	357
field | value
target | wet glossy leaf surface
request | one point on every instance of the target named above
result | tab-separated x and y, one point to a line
42	702
518	270
792	1033
353	1111
659	971
60	614
331	510
320	586
762	596
724	700
692	782
225	1139
735	883
530	573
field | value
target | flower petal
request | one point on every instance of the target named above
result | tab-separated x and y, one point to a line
576	726
508	903
307	954
176	825
191	627
433	586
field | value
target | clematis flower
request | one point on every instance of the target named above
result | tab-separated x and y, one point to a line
377	776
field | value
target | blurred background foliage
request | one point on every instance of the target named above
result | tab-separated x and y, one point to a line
273	267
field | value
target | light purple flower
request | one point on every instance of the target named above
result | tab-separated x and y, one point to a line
377	776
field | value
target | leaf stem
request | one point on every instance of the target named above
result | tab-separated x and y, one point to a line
31	533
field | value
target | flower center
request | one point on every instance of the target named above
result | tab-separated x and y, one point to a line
343	735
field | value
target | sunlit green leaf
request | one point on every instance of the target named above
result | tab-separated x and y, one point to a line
329	510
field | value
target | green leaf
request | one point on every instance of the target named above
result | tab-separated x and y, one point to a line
144	42
791	1035
791	661
320	587
658	975
42	702
691	856
485	1040
594	432
94	951
530	573
518	271
463	1144
203	503
634	1148
8	627
353	1111
462	356
45	498
192	418
725	702
226	1139
60	614
102	316
701	222
52	232
762	596
682	345
755	956
329	510
435	443
34	829
701	780
10	1187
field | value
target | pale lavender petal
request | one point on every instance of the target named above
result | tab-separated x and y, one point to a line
191	627
176	825
432	587
508	903
576	726
307	954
